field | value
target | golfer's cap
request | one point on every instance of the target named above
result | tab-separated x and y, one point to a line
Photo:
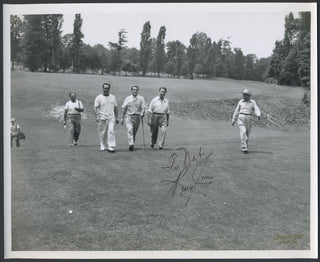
246	91
13	119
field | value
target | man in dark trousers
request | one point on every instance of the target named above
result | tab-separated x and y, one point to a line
72	113
158	116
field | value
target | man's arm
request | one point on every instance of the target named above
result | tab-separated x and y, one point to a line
80	107
256	110
235	114
65	116
96	112
167	119
116	114
123	114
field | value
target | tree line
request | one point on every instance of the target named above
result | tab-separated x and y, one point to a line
37	44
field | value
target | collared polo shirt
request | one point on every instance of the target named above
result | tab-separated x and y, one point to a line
134	105
159	106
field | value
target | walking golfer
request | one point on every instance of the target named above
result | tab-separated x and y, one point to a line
14	131
243	114
72	113
158	116
133	110
106	111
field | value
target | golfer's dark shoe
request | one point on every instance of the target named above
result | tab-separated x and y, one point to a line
160	148
130	148
111	151
152	145
75	142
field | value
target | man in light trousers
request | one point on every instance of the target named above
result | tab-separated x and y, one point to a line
158	116
243	114
133	109
106	111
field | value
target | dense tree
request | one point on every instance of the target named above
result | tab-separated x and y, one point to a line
248	68
77	42
66	56
116	50
33	42
238	64
290	61
159	55
145	47
16	35
175	57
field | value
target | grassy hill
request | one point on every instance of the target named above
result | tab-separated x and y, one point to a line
125	201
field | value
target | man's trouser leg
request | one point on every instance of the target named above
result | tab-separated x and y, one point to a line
71	123
102	129
111	137
154	128
16	137
77	127
163	129
136	123
129	125
244	124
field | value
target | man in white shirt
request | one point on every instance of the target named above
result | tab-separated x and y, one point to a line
158	116
133	109
243	115
106	111
72	112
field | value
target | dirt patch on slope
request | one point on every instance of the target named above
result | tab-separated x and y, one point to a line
280	113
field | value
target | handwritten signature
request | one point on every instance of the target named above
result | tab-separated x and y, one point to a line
189	169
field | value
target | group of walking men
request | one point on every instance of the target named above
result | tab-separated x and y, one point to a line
134	108
106	111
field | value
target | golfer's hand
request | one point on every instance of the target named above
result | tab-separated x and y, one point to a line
121	121
117	121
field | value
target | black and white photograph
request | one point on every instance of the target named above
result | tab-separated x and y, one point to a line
160	130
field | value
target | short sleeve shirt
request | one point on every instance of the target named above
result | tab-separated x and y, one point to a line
105	106
134	105
159	106
70	107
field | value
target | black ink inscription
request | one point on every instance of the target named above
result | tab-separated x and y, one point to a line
189	170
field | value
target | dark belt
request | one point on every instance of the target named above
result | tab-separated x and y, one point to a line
245	114
158	113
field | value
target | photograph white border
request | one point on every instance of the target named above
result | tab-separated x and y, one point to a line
165	7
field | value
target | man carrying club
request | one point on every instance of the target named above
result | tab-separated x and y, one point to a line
243	115
106	111
133	109
72	113
158	116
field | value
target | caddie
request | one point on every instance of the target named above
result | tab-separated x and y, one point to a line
158	116
72	113
14	131
133	110
106	111
243	115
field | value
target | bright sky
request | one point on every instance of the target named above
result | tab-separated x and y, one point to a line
252	27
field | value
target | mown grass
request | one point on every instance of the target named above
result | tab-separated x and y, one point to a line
119	201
